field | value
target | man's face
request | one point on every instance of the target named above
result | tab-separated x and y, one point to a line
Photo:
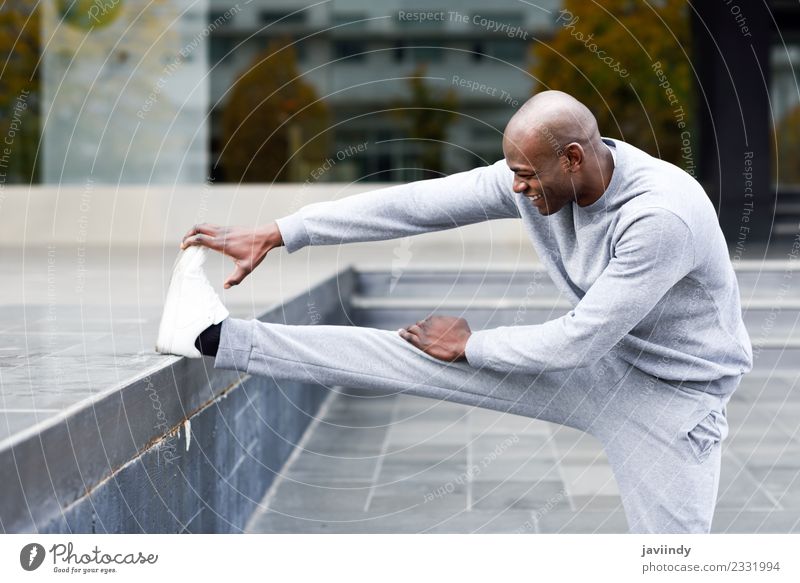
540	174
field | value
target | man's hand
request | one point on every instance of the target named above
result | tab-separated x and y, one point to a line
246	246
443	337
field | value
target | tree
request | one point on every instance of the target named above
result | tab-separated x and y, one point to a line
19	90
427	116
604	55
273	125
786	144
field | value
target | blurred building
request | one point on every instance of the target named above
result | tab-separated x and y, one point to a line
124	95
358	54
747	63
133	91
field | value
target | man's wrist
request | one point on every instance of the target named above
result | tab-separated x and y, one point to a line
474	350
462	356
292	231
270	236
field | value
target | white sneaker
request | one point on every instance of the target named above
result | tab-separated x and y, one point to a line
191	306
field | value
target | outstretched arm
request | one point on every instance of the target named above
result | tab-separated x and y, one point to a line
652	253
481	194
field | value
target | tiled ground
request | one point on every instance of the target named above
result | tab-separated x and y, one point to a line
403	464
400	464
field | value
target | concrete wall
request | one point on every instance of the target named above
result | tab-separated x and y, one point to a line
102	214
199	462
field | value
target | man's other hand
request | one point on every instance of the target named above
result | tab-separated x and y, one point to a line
443	337
247	246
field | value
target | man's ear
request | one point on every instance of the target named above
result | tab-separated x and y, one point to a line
574	157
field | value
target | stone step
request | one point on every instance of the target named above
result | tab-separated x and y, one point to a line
787	306
774	280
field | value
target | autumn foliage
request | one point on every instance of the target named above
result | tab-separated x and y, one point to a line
426	116
19	90
607	54
273	125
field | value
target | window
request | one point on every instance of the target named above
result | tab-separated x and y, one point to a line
219	48
300	50
418	51
512	51
399	52
486	134
281	17
349	20
218	16
351	50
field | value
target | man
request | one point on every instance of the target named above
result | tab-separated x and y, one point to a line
646	361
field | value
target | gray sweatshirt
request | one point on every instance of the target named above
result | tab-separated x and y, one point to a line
645	267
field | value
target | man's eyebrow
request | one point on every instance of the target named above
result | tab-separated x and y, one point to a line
522	170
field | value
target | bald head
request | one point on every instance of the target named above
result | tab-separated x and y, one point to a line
552	119
554	147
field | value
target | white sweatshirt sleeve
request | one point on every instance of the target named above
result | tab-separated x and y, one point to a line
481	194
653	251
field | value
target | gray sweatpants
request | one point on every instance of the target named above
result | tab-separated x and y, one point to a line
662	439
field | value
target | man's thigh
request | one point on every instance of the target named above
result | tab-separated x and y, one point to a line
664	445
666	489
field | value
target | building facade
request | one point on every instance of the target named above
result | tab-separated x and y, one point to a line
360	54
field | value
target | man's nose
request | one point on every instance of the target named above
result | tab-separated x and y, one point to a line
520	186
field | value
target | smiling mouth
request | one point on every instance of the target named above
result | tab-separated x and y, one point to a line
535	197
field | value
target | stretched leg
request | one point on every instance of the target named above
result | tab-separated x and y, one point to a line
663	442
370	358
